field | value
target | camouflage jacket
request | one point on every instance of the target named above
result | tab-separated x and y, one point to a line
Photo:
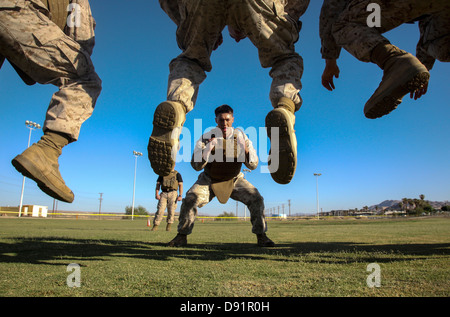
331	9
295	8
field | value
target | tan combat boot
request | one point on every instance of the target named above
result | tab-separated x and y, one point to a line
163	144
168	226
402	73
40	163
155	227
283	118
179	241
264	241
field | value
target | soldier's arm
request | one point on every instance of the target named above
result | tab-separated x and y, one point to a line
158	186
331	9
251	158
421	53
180	191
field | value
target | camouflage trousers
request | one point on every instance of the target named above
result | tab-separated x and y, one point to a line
169	200
200	194
39	48
352	32
264	22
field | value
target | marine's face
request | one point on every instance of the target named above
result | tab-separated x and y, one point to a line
224	122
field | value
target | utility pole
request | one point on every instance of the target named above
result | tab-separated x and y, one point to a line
317	192
136	155
289	204
100	206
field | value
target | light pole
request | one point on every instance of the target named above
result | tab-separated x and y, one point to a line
317	192
32	126
136	154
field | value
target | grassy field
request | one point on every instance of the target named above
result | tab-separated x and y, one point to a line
315	258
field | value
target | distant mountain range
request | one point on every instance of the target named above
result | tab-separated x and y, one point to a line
395	204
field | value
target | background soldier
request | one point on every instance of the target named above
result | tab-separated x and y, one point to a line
220	153
35	39
170	185
273	27
343	23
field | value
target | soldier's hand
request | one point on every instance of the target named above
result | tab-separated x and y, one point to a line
157	196
179	198
419	92
208	148
331	70
211	144
242	143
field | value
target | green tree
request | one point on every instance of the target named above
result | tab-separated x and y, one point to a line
139	210
405	202
225	216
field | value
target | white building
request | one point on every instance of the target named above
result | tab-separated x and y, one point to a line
34	211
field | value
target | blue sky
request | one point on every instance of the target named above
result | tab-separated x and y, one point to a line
362	161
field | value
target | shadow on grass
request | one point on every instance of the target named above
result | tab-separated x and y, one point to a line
55	250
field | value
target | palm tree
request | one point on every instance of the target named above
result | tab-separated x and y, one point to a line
405	203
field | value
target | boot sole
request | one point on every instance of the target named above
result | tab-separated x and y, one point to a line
161	144
27	169
287	155
391	101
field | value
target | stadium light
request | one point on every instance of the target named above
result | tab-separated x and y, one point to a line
317	192
32	126
136	154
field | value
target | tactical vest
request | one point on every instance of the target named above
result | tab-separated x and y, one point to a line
229	167
170	181
222	174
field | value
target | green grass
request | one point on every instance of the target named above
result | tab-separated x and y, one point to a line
311	258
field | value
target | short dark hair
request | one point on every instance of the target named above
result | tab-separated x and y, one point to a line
223	109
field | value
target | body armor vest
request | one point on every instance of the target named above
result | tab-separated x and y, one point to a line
224	168
170	181
227	166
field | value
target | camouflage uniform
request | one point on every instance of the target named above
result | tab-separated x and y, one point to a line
343	23
168	197
271	25
201	193
43	53
434	42
169	200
